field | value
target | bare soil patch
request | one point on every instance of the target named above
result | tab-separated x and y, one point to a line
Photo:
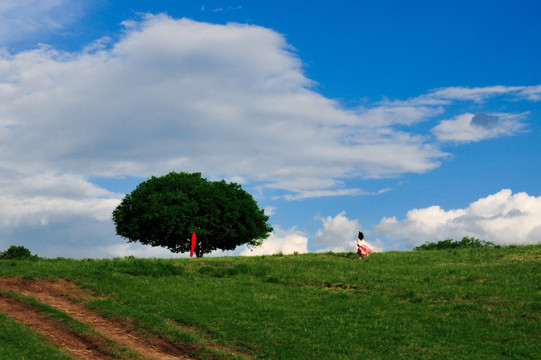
79	347
61	295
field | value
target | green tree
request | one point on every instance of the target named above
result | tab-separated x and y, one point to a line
164	211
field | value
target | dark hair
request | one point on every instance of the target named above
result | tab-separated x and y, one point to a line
361	235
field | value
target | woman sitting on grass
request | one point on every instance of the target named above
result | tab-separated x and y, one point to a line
362	247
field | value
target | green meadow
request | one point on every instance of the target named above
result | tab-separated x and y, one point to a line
472	303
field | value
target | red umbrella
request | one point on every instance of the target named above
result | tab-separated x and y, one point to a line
193	244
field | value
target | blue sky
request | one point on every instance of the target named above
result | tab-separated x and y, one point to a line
412	122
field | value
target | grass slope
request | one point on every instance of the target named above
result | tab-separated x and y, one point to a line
480	303
19	342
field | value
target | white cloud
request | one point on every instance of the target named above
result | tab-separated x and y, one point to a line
229	8
55	214
480	94
22	18
30	199
323	193
503	218
477	127
339	234
280	241
43	210
448	95
227	100
305	194
70	235
399	112
270	210
532	93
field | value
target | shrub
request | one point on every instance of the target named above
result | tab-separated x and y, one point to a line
466	242
16	252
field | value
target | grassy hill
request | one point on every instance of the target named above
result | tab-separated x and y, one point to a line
480	303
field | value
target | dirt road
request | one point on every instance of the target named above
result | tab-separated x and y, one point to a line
60	295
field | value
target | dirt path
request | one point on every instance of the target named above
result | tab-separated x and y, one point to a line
80	348
60	295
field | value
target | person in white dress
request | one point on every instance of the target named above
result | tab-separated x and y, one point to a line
363	250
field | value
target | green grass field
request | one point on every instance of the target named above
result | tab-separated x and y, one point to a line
19	342
480	303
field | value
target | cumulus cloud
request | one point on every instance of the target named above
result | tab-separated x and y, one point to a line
477	127
280	241
227	100
339	234
503	218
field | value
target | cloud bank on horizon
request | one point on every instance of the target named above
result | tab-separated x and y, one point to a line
504	218
230	101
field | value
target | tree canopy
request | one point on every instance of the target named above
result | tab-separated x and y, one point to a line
164	211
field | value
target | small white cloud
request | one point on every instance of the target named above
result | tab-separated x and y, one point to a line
477	94
398	112
324	193
280	241
448	95
307	194
503	218
470	127
532	93
338	234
